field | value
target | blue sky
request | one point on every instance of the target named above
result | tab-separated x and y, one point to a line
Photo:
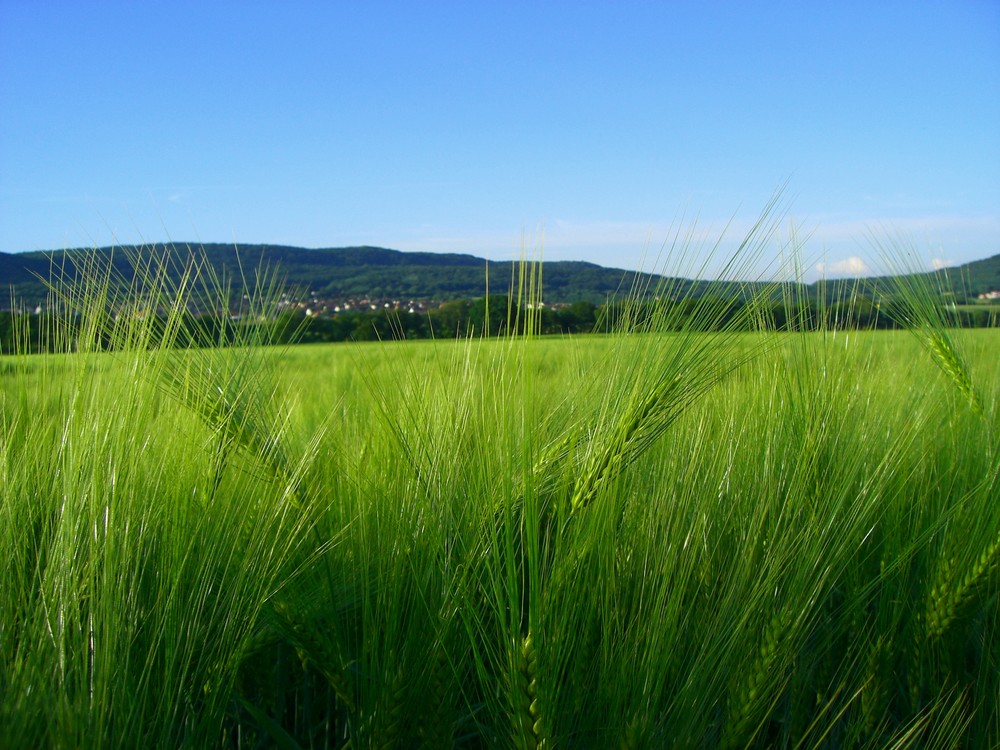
587	130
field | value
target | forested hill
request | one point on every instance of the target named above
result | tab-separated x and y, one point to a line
380	273
345	272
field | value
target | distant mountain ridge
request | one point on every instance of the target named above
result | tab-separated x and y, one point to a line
381	273
344	272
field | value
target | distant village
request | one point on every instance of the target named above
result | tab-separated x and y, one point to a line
312	306
321	307
315	306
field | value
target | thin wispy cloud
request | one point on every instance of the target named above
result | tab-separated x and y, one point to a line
602	241
919	227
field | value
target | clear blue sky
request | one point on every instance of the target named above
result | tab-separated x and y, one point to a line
587	128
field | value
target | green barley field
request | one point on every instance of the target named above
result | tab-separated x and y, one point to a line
637	540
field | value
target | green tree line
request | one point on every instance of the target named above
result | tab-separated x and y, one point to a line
30	333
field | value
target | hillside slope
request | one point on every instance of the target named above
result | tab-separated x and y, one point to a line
381	273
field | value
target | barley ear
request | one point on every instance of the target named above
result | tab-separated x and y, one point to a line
634	736
874	693
749	694
951	594
312	651
947	358
530	732
916	302
391	713
435	724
